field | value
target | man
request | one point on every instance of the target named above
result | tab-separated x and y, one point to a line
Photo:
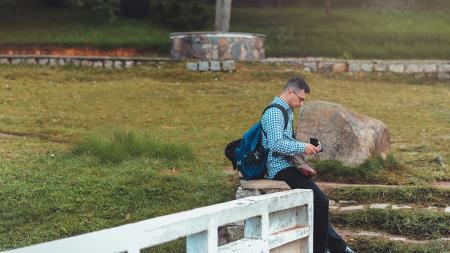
281	144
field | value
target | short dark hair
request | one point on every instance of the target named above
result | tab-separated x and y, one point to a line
297	84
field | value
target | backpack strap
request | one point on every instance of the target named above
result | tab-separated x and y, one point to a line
283	110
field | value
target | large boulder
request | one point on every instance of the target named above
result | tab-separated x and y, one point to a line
344	135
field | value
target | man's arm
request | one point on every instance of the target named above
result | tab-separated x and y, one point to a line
273	125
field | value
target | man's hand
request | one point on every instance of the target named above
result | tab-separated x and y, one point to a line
311	149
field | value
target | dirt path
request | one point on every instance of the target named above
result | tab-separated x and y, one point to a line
331	185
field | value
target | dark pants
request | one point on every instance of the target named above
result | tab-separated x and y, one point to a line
325	237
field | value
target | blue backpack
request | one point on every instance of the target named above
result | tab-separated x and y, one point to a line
248	154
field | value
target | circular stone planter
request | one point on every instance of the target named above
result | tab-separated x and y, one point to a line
218	46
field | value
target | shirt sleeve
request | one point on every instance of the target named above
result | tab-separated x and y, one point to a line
273	125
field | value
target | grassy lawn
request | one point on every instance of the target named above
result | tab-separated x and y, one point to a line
370	32
48	192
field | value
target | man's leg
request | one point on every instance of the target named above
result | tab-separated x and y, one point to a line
296	180
335	242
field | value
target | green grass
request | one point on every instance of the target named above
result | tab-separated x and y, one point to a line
353	32
382	246
410	223
47	192
426	196
126	145
371	171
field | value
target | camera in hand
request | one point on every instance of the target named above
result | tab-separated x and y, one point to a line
315	142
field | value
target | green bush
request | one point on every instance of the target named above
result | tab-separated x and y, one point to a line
137	9
181	14
123	146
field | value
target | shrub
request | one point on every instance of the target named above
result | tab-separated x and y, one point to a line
137	9
126	145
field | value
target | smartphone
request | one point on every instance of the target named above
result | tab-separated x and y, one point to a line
315	142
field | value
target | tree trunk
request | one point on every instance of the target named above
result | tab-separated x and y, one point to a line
328	9
223	13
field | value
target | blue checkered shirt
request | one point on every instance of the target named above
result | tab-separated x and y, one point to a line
278	139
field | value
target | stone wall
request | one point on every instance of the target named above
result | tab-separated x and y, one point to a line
439	69
95	62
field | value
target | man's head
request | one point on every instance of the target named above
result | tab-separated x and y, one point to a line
294	92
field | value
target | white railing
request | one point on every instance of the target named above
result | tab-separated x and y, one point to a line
276	223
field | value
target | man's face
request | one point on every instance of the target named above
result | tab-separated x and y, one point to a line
296	98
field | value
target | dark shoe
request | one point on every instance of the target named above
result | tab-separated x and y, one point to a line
348	250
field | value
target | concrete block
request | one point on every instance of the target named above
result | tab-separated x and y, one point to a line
215	66
420	68
192	66
324	66
203	66
228	65
4	61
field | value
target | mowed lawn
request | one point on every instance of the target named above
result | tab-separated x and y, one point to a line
47	193
352	32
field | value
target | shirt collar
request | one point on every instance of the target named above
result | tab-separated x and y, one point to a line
278	100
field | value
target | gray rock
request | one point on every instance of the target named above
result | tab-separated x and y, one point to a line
420	68
109	64
129	64
228	66
215	66
52	62
203	66
98	64
61	62
379	206
192	66
16	61
447	209
356	66
230	233
325	66
4	61
346	202
339	67
31	61
75	62
86	63
331	203
443	76
444	68
380	67
43	61
311	65
344	135
118	64
397	68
